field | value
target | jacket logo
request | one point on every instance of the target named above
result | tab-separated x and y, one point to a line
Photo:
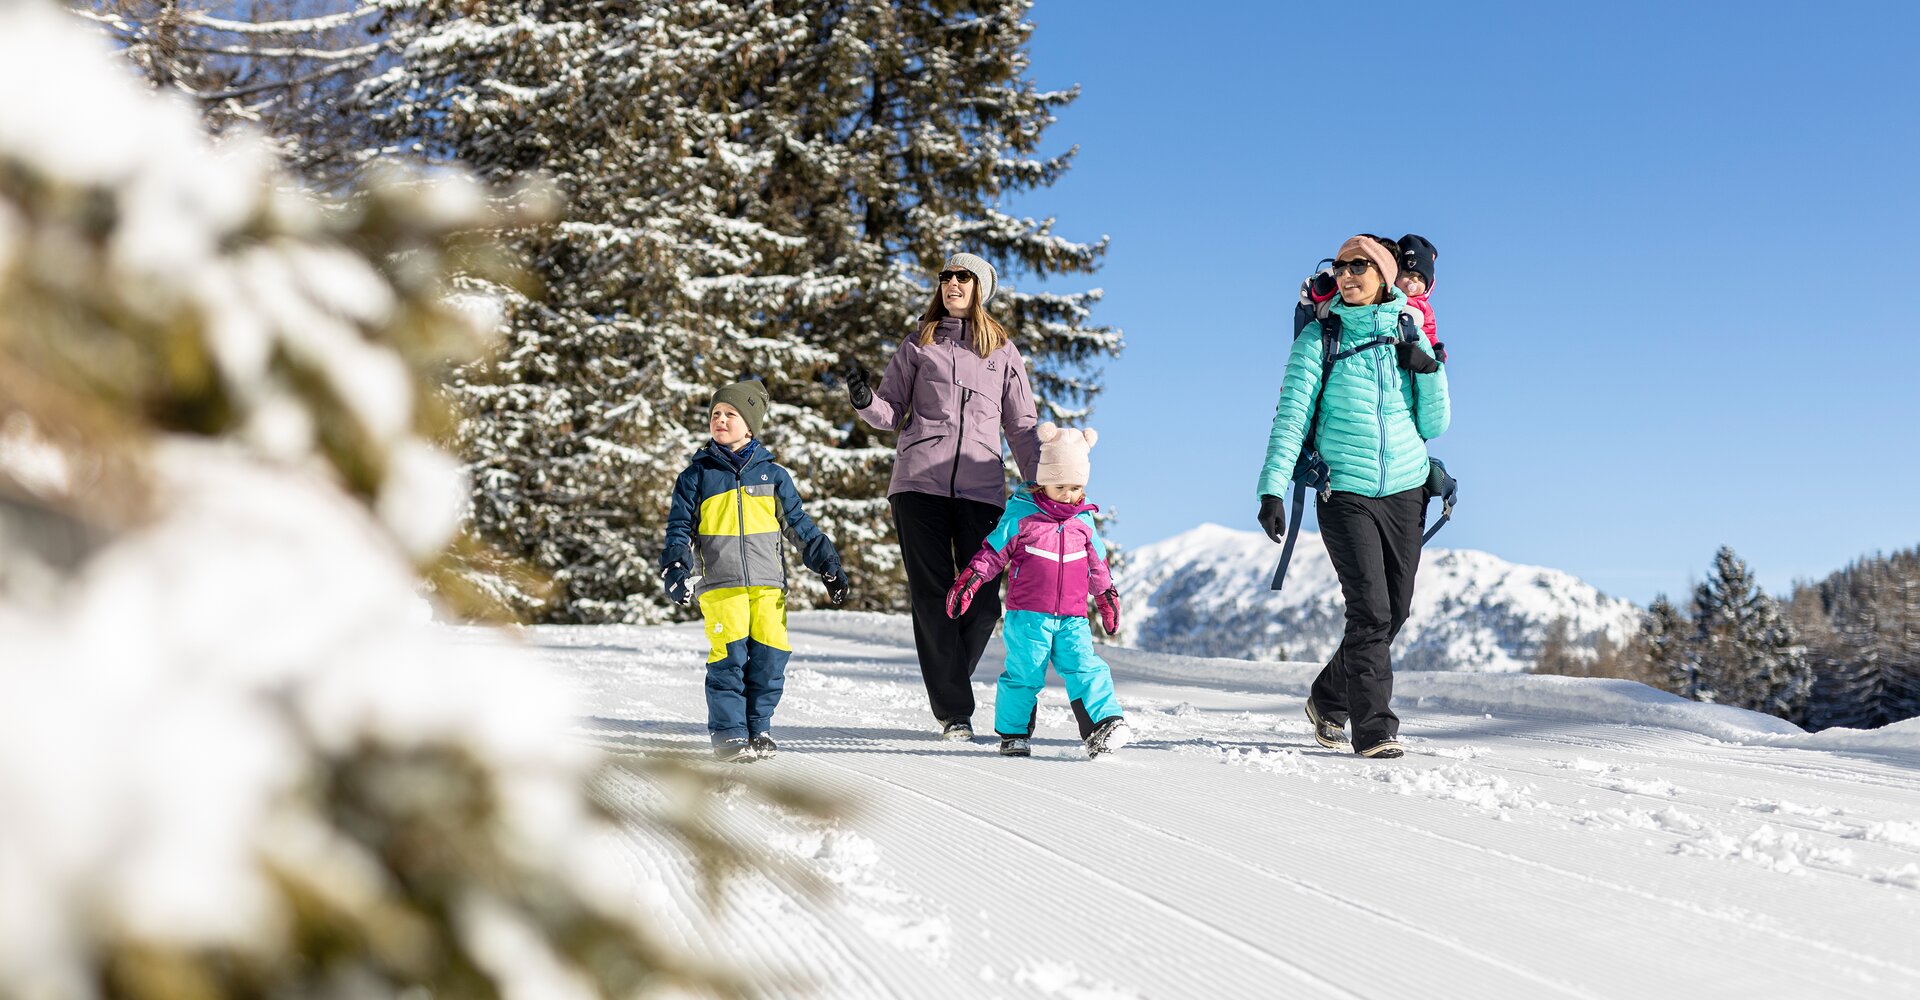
992	365
763	477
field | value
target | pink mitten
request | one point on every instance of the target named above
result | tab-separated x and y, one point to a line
1108	602
961	596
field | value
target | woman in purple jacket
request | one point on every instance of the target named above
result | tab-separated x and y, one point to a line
955	384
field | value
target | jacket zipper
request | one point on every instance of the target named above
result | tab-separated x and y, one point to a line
1060	578
1380	411
740	508
953	479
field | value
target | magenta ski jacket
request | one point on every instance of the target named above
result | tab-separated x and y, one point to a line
950	406
1057	559
1425	309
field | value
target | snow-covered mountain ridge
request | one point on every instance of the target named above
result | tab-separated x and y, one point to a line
1204	593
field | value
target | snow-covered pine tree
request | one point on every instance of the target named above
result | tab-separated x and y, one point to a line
1665	643
1747	650
1782	669
752	189
276	66
1867	657
577	430
214	421
1903	685
1846	690
906	129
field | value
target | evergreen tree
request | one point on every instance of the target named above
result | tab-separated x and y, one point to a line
1847	675
1748	653
219	392
276	66
1664	643
751	189
1866	655
1903	686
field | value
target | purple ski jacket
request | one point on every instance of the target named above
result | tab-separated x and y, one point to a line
950	405
1058	560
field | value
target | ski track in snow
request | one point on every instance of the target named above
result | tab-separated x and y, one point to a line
1224	853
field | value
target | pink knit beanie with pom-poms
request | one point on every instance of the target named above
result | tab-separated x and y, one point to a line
1063	455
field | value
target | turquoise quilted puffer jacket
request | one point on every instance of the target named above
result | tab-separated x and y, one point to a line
1374	418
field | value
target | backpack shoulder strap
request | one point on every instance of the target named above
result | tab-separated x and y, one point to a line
1309	468
1329	352
1329	346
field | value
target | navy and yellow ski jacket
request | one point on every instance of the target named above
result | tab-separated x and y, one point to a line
737	513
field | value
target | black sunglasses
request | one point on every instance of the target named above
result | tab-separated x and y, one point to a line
1354	267
963	277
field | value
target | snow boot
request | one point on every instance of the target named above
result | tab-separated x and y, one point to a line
1383	749
958	731
734	751
1326	733
1110	735
764	746
1015	746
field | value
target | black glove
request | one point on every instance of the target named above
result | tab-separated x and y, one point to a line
1415	360
675	575
837	585
1273	516
859	393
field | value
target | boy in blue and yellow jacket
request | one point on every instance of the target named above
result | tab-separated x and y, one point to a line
729	509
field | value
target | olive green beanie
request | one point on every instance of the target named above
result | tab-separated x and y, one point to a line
749	397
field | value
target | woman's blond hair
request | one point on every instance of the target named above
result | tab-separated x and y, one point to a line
988	334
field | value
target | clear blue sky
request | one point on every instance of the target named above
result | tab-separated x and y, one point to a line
1679	247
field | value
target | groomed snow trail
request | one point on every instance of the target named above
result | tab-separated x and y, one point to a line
1225	854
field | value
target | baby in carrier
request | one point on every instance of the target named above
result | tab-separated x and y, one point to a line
1415	254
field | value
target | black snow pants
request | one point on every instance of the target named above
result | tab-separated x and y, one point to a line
1375	546
938	536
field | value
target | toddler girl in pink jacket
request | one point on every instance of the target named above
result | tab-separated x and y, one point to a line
1417	256
1056	562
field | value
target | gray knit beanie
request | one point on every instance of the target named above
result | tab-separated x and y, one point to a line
749	397
983	272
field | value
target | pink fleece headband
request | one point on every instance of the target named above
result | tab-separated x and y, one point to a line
1361	246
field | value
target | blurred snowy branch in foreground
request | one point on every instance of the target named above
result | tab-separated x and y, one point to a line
236	758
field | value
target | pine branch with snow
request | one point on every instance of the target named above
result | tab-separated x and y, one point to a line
236	757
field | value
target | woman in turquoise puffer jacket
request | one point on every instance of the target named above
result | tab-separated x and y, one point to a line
1379	407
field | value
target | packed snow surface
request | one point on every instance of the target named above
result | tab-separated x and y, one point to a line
1545	837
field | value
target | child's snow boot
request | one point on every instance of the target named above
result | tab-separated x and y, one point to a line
734	751
1015	746
958	731
1325	733
764	745
1110	735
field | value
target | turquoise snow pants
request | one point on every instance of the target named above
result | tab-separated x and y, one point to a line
1033	639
